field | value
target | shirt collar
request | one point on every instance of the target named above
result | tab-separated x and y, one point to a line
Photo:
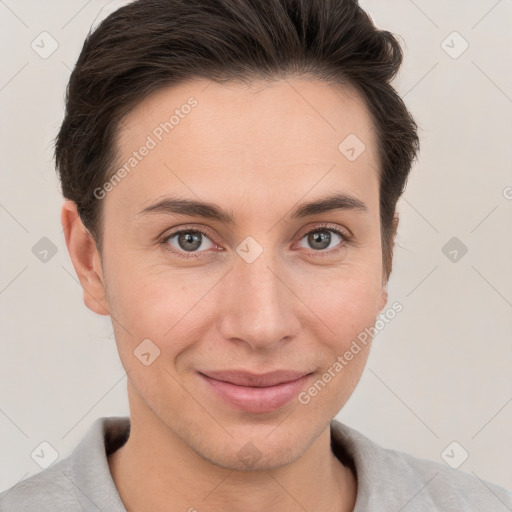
90	470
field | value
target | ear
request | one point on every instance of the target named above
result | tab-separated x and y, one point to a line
383	299
388	265
85	258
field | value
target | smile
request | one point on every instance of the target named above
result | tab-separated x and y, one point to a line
256	393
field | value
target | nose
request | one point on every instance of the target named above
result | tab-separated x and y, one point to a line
258	305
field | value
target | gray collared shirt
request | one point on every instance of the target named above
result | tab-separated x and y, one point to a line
388	480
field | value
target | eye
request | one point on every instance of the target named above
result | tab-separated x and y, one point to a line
187	241
324	237
193	242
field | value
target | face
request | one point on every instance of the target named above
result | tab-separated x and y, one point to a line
255	283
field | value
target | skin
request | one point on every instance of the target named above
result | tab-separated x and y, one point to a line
255	151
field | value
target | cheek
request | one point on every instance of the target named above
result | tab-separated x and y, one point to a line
346	310
158	304
158	318
349	310
345	302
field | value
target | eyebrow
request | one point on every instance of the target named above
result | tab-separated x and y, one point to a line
211	211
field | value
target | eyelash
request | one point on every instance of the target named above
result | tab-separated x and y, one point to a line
346	239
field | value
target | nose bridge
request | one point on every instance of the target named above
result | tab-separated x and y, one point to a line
259	306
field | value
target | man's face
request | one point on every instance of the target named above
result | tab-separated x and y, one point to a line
258	294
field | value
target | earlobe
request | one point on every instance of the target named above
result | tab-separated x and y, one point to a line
389	264
389	251
383	299
85	258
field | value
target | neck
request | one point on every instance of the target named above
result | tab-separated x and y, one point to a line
155	470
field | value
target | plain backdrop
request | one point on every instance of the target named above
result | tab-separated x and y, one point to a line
439	373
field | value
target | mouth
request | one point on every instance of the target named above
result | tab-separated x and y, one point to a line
256	393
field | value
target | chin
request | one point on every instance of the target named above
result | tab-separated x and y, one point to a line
253	447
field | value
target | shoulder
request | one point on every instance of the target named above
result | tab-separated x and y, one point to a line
447	488
400	479
51	489
73	483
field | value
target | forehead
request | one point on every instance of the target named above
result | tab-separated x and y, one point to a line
242	140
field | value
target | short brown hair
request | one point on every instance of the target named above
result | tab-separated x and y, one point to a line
150	44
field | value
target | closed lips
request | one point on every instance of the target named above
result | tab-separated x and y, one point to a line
240	378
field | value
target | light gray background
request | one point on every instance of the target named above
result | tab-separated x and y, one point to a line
439	372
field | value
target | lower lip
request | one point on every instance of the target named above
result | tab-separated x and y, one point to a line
257	399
